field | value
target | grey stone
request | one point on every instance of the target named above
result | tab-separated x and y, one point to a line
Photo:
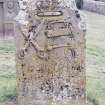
51	54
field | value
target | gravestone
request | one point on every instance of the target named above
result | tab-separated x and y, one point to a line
8	10
51	54
95	6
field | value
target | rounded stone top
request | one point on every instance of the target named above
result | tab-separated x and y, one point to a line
27	6
49	4
30	8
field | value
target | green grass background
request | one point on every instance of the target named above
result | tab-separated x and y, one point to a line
95	58
95	62
7	71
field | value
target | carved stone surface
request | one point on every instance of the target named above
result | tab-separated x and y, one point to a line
51	55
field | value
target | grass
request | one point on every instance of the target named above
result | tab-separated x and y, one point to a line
95	58
7	71
7	46
95	62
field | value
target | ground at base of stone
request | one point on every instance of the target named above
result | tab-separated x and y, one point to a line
13	102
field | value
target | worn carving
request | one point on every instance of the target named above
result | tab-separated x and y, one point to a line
11	8
51	55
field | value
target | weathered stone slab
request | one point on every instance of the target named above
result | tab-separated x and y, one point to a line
8	10
101	0
94	6
51	55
